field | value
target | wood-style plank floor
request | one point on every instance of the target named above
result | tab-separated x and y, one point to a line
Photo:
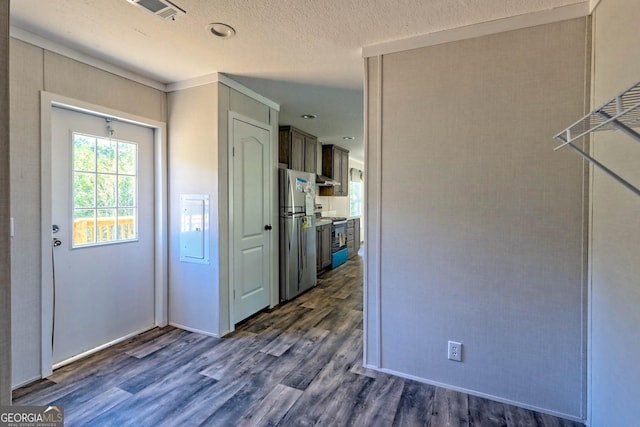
298	365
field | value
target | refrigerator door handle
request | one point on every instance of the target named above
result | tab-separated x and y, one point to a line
289	237
303	252
300	249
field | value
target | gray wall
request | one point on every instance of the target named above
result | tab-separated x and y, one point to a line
481	235
5	254
34	69
198	164
194	289
615	243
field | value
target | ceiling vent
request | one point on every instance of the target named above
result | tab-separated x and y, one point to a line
162	8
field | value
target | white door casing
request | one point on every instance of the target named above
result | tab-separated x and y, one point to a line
251	218
157	195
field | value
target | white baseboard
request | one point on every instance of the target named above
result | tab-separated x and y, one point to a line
24	383
101	347
478	394
198	331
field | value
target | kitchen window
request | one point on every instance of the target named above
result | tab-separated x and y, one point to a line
355	198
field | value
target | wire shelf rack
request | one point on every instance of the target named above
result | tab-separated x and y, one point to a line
620	113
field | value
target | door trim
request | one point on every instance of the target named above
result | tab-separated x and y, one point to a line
231	284
48	101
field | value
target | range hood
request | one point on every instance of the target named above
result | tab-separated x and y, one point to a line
325	181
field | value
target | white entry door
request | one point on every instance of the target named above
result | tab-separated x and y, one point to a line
251	219
103	198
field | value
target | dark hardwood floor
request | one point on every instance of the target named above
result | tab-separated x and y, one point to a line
299	365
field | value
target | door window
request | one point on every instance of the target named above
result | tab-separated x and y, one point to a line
105	199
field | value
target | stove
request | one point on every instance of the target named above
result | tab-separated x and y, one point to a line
338	236
339	241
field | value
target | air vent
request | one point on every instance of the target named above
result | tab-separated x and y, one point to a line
162	8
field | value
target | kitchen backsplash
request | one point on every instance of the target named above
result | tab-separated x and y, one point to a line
334	206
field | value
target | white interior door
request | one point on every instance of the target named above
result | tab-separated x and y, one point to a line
102	204
251	219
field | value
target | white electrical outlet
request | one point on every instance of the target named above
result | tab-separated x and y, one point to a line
455	351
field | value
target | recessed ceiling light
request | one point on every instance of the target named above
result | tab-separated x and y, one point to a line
221	30
308	116
348	138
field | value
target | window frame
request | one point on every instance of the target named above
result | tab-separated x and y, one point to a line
352	192
116	208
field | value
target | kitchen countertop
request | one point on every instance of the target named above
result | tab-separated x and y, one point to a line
325	221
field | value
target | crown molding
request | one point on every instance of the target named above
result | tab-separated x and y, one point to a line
41	42
31	38
193	82
548	16
225	80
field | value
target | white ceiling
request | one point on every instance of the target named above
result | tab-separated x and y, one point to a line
303	54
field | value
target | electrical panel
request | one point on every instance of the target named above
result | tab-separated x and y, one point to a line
194	228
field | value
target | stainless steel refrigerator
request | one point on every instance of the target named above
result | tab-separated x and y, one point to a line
297	193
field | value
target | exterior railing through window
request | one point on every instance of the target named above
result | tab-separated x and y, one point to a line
90	231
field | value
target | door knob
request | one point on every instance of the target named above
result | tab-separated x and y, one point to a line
57	242
268	227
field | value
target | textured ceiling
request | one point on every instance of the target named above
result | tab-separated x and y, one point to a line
303	54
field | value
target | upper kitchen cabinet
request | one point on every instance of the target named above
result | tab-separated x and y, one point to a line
335	165
298	149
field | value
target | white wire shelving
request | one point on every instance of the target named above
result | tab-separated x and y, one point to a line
621	113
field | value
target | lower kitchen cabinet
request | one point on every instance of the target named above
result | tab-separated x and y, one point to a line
323	246
357	240
353	237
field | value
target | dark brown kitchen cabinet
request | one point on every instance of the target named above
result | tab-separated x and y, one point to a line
353	237
335	165
310	154
297	149
323	246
